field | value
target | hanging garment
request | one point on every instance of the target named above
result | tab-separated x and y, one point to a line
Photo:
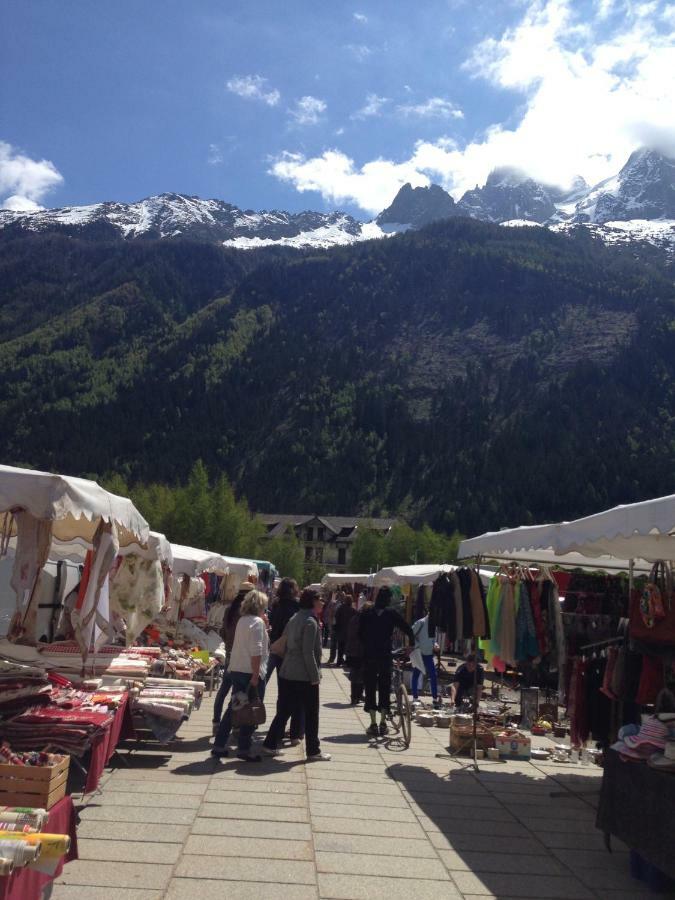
442	613
481	627
137	594
492	602
527	645
464	576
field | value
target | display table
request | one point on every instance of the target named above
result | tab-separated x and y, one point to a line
105	744
27	884
636	806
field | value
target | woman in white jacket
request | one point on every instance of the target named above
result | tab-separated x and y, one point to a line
247	669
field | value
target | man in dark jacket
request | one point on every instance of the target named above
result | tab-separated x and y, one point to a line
343	617
376	630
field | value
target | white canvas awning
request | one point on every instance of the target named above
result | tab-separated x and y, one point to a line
192	561
75	506
158	548
607	564
334	579
642	531
420	574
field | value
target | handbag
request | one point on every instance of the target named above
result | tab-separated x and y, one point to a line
278	647
249	713
652	611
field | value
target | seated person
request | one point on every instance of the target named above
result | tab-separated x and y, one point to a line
462	686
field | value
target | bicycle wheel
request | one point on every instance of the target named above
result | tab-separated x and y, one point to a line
404	713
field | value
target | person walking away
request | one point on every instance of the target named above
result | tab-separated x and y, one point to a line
376	631
343	617
354	657
248	666
282	612
230	620
327	618
422	659
339	599
299	678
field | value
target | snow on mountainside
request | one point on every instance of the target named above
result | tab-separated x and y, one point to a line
643	189
638	204
175	215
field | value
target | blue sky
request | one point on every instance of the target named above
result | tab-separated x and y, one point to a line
301	105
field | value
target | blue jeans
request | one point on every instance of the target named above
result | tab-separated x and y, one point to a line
223	691
431	672
240	682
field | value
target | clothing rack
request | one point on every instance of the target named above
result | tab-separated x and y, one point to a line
606	643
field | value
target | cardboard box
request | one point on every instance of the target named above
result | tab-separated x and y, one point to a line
36	786
513	745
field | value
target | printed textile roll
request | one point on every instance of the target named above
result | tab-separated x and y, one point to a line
51	845
19	851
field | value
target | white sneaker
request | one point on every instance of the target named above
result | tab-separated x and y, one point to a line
319	757
266	751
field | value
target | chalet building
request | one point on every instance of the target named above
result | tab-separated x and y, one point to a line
327	540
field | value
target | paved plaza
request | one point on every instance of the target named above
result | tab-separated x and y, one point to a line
375	822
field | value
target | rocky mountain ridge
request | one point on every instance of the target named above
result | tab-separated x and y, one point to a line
642	193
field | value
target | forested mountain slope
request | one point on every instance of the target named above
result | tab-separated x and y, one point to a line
466	374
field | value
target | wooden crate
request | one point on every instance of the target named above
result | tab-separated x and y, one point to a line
461	738
37	786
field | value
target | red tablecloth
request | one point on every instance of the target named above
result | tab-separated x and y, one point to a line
26	884
104	746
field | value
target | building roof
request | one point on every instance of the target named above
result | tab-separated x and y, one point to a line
341	526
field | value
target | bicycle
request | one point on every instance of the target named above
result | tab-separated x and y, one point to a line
400	710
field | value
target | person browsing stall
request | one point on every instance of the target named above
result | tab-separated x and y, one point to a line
462	686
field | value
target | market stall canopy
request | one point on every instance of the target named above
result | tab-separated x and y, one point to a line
608	564
191	561
643	531
420	574
334	579
158	548
74	506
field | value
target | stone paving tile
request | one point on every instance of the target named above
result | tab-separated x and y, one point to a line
258	798
482	828
365	827
375	887
112	798
592	859
131	831
211	845
87	892
441	810
126	850
386	866
205	889
330	773
485	861
138	814
263	776
538	887
278	813
371	788
116	874
569	840
460	842
292	831
362	798
275	871
194	787
256	786
356	811
352	843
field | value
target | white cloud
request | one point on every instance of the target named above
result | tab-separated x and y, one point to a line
308	110
335	176
360	18
361	51
27	181
254	87
433	108
372	107
215	156
593	90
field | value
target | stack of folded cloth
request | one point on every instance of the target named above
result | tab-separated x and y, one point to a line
641	743
23	681
65	657
165	704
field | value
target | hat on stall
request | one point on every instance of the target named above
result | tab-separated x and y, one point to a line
665	761
652	732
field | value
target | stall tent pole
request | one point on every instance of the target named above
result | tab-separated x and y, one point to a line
475	688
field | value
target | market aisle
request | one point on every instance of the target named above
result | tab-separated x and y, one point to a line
373	823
